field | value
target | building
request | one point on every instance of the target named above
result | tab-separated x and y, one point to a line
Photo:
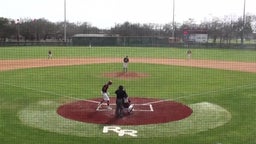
195	35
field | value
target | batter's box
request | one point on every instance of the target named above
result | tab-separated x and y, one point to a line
143	107
137	107
104	107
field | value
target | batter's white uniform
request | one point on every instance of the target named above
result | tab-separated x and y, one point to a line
105	96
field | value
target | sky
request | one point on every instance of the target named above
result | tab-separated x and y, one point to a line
107	13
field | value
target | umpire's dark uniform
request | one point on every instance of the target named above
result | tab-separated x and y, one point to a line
120	95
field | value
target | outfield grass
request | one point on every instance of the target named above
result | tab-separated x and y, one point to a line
83	52
233	91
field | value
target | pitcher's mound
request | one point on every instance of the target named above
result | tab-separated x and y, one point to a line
125	75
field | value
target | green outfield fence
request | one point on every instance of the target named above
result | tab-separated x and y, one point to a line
136	43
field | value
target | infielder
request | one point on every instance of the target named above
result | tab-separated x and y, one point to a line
125	63
105	94
49	54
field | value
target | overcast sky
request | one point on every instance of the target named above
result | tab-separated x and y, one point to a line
107	13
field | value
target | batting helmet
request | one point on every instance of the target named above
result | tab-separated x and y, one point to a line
110	82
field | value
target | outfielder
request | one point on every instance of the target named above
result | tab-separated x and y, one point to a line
189	54
105	94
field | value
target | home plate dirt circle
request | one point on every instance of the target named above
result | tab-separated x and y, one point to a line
146	111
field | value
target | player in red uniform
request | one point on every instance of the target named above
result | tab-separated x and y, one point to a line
105	94
128	107
125	63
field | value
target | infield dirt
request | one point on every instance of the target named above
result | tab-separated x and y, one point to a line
32	63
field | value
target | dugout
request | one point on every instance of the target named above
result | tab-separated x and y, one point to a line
116	40
95	40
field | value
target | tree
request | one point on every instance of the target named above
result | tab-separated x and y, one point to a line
7	28
42	29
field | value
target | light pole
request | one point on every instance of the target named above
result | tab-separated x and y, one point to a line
65	23
18	30
242	39
173	23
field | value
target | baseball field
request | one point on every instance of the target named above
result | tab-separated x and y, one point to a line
207	99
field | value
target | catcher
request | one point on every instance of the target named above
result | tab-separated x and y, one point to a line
128	107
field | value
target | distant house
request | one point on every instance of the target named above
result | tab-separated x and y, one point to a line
195	35
174	40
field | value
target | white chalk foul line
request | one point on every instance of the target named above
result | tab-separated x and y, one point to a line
149	103
205	93
150	107
48	92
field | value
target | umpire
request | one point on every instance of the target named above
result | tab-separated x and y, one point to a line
120	95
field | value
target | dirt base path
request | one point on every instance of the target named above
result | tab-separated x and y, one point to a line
6	65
